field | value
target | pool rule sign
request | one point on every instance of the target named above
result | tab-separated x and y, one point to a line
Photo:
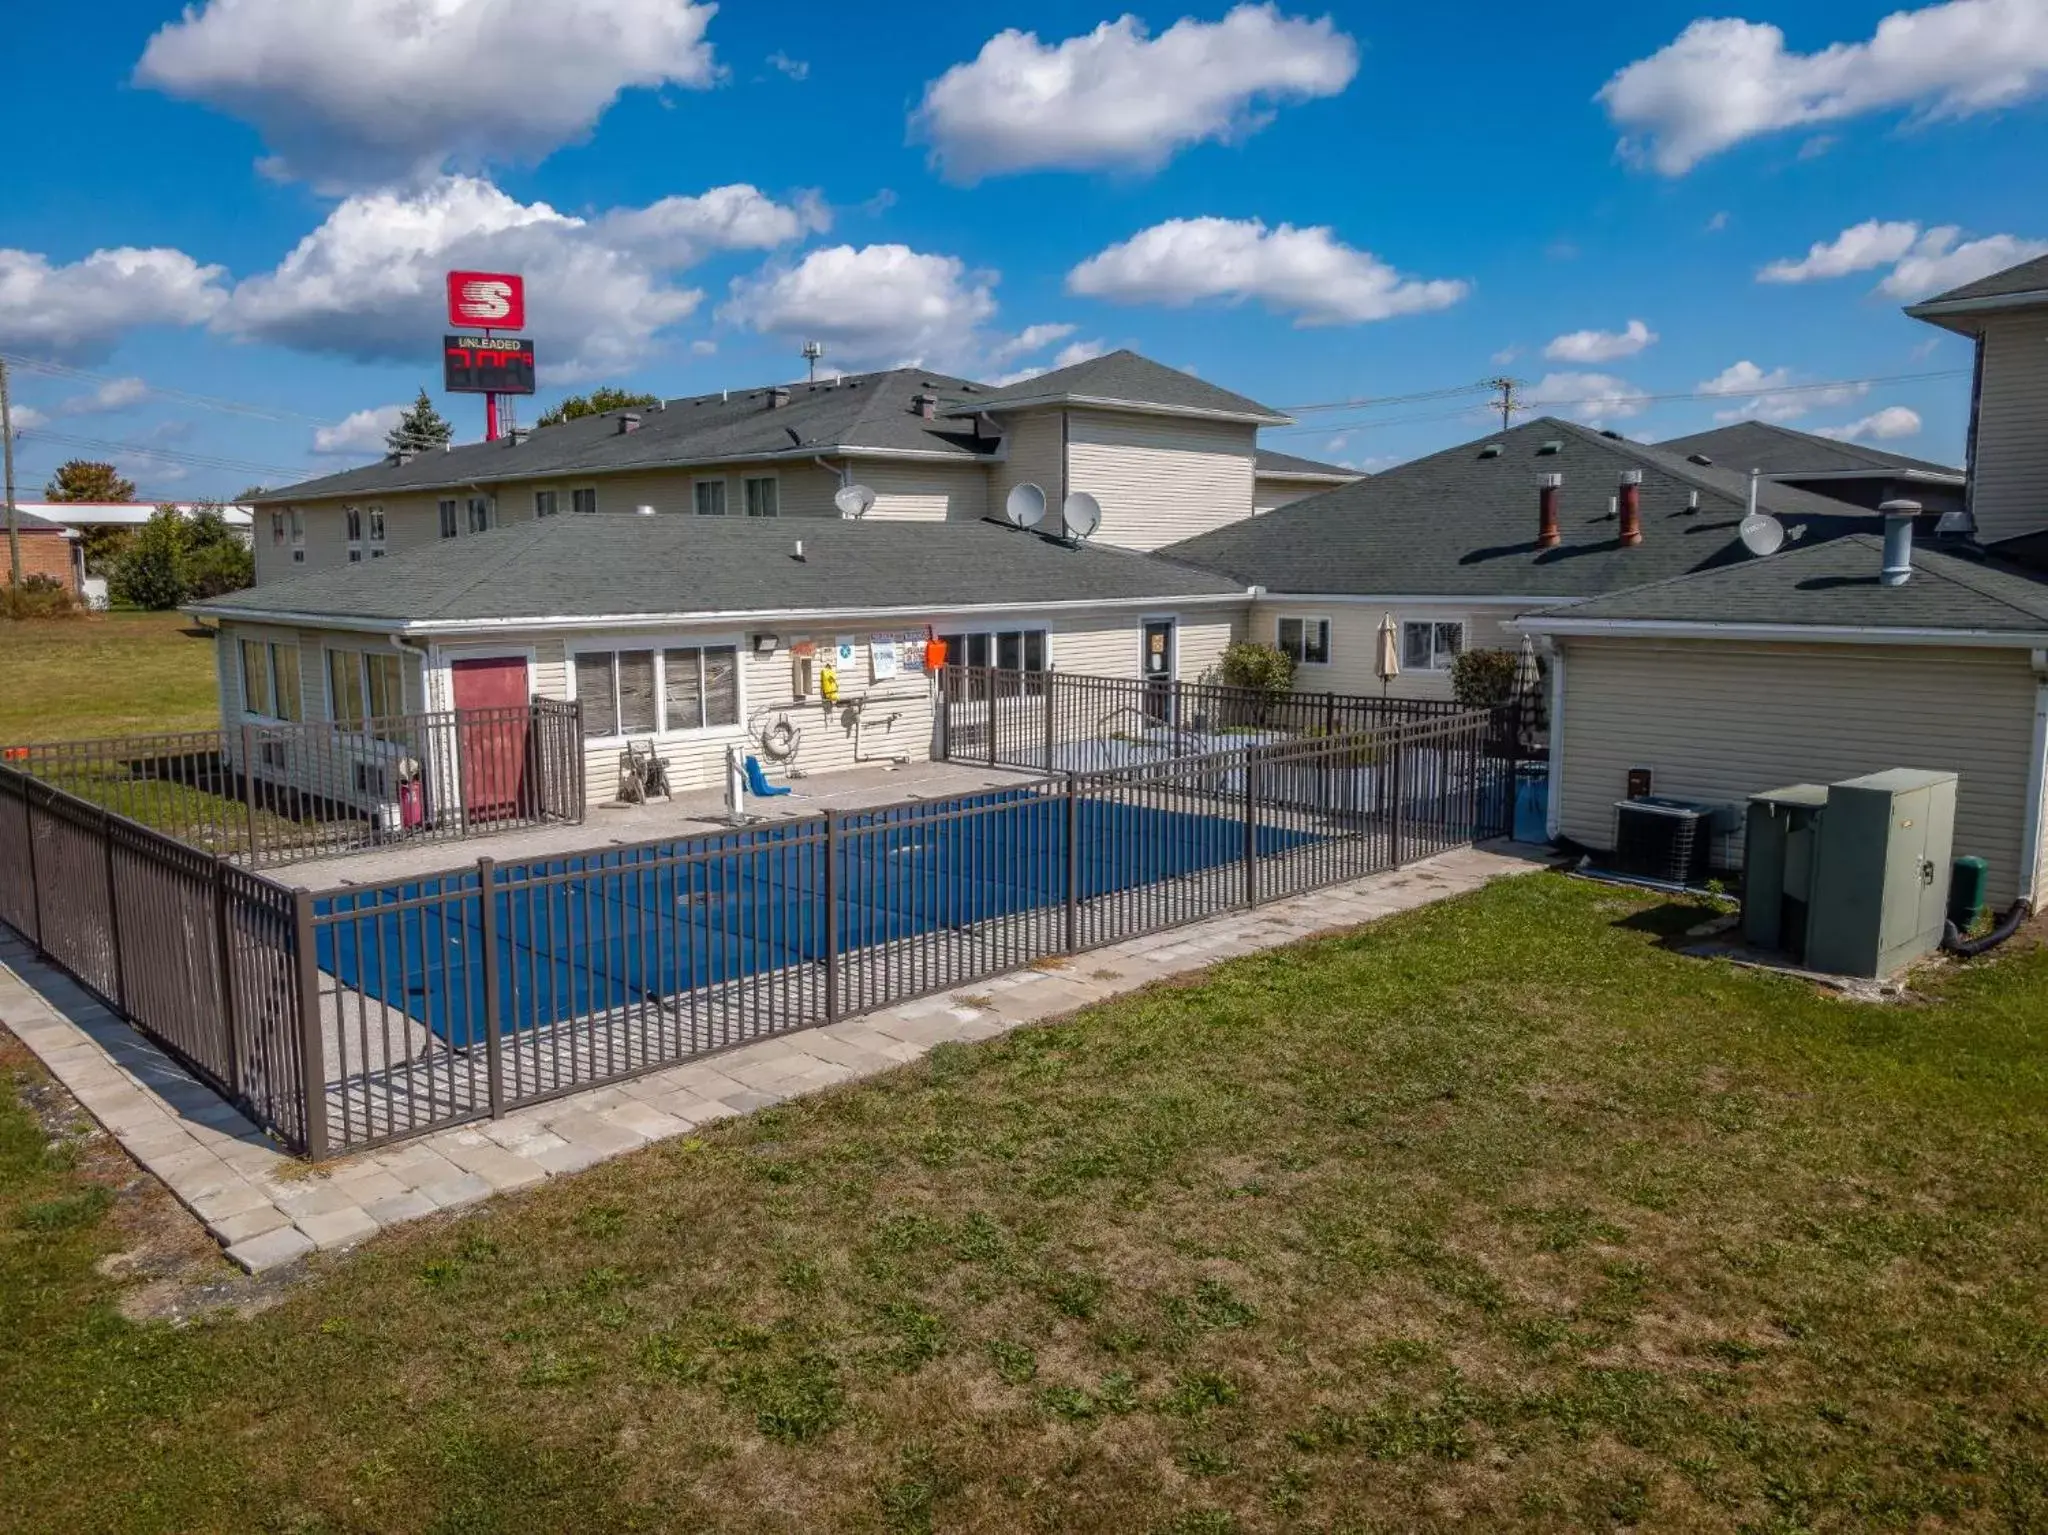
477	360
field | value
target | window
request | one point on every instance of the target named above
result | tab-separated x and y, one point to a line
364	685
657	692
376	516
277	528
352	529
583	502
545	503
763	496
297	516
448	526
701	686
1305	640
270	680
479	514
710	497
1017	650
1430	647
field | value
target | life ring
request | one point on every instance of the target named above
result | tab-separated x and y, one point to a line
779	739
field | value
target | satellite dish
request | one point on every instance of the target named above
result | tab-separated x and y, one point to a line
644	511
853	500
1762	533
1025	506
1082	514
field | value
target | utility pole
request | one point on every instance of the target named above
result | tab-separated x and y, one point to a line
7	452
813	350
1507	405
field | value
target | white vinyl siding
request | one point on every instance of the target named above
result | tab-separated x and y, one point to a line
925	492
2010	496
1159	479
1721	721
1271	495
1354	642
1033	455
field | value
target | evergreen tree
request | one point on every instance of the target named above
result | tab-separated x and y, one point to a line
421	429
596	403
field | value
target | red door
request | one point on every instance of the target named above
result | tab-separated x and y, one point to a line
491	708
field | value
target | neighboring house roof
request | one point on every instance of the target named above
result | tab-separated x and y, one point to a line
868	413
626	567
1127	381
1463	522
2027	281
1788	454
30	522
1831	586
123	514
1269	465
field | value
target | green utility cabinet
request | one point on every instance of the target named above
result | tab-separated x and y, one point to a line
1777	866
1880	877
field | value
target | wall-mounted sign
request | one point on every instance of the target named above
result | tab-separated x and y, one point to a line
493	300
479	364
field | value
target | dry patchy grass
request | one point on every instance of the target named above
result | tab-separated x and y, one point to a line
1499	1213
106	675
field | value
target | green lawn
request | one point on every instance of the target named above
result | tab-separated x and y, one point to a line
110	674
1501	1213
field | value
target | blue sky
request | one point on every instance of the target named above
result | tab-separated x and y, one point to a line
1306	206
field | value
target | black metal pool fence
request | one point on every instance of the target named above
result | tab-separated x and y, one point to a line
348	1018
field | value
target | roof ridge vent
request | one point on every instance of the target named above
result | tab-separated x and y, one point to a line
1549	449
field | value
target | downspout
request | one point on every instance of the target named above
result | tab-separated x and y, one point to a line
2037	768
1970	444
1553	810
405	646
844	471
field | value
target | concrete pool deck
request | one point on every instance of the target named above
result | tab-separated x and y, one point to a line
269	1209
608	824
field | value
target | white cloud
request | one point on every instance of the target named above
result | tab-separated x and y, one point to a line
1857	249
1080	351
1893	421
1725	80
1116	98
25	418
115	394
796	69
1032	338
1600	345
1594	398
360	91
362	431
1938	263
1922	261
1308	273
1774	395
1718	222
80	310
368	283
1506	355
704	346
872	306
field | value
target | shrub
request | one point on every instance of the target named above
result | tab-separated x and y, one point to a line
37	597
1482	678
1263	669
173	559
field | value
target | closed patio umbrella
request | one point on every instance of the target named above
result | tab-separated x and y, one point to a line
1388	656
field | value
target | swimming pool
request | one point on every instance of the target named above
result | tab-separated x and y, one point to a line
596	931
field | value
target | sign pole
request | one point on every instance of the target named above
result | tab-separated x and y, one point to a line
490	418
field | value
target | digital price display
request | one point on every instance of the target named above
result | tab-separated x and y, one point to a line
487	364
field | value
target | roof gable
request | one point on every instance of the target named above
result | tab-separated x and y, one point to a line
1780	450
1126	378
1266	461
2029	277
1463	523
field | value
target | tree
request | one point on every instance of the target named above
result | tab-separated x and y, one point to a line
216	560
82	479
149	573
596	403
420	430
1266	671
1480	679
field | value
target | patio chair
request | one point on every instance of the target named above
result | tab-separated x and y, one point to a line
642	774
758	784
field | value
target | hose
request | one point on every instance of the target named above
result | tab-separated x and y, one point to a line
1953	942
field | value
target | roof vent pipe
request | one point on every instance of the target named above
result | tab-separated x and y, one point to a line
778	397
1754	476
1631	508
799	554
1898	541
927	405
629	422
1547	534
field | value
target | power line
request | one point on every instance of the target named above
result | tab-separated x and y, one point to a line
166	455
179	396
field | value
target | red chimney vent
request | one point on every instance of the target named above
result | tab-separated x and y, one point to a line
1547	534
1631	508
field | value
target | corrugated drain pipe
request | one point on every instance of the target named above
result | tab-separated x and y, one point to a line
1953	942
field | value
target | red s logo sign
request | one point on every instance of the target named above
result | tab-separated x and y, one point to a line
486	298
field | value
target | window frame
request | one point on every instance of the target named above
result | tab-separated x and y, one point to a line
363	673
659	645
1300	655
546	503
449	509
487	506
273	672
697	489
374	520
577	496
1439	663
277	527
774	484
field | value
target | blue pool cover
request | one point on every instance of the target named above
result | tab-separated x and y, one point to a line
638	924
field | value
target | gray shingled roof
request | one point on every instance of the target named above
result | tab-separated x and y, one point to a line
1835	585
29	522
2027	277
626	565
1746	445
873	411
1267	461
1461	523
1125	378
